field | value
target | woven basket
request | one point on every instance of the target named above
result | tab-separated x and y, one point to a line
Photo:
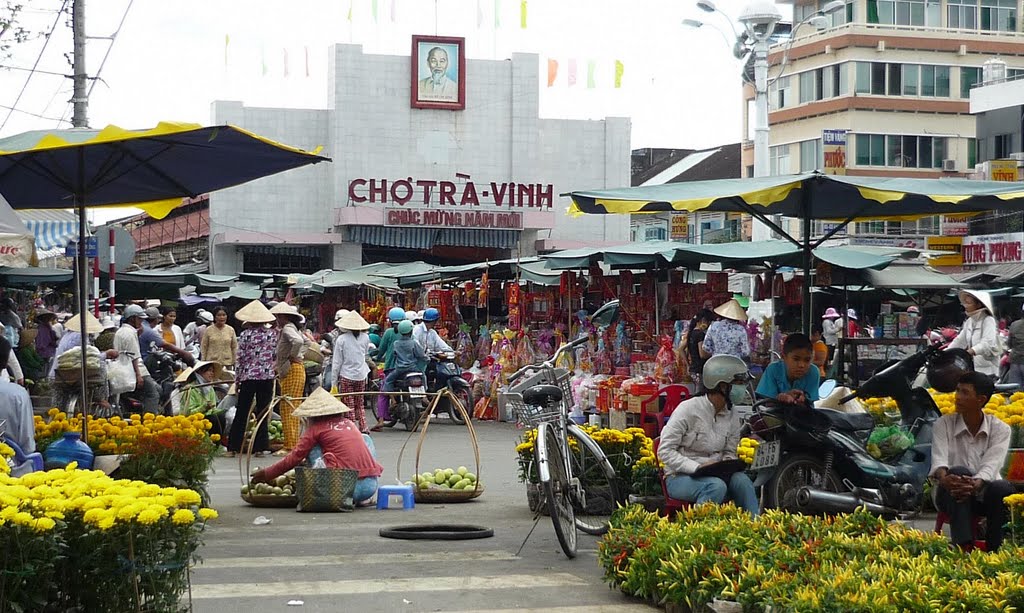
441	494
284	502
71	376
447	495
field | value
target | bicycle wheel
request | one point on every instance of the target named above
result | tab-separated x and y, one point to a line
596	490
555	479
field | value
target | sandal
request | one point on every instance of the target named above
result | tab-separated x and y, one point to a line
228	454
280	452
377	428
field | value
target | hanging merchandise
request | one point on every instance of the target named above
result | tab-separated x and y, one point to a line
541	306
626	282
602	364
468	295
513	298
793	291
718	282
759	288
623	348
464	349
545	343
524	353
483	344
665	362
481	295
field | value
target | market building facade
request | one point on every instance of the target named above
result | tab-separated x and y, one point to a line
410	183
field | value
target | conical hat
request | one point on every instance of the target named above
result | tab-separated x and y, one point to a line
319	404
185	374
984	298
255	313
731	310
285	309
92	325
352	321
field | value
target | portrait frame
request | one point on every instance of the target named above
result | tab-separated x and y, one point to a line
419	73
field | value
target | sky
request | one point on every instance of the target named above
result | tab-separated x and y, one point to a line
680	86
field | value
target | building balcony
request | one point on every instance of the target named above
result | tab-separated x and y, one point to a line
887	36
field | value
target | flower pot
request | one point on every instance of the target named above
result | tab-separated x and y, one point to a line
653	504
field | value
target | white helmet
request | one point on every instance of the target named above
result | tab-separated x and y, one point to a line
411	316
724	369
205	316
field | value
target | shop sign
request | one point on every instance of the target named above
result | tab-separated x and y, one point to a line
833	146
450	193
902	242
993	248
956	225
827	228
437	218
679	228
949	247
1003	170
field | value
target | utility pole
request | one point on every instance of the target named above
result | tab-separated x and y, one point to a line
80	98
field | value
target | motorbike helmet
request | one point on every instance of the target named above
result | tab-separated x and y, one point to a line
411	316
395	314
431	314
944	371
405	328
205	317
724	369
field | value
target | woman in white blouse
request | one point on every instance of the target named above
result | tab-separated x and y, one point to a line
979	333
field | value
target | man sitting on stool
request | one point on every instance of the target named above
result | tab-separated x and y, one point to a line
968	449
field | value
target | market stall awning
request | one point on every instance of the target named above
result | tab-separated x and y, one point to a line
811	195
537	272
53	229
862	257
33	277
17	246
909	277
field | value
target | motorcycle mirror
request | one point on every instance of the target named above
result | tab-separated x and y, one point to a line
826	388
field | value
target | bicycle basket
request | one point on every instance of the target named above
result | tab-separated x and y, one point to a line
534	415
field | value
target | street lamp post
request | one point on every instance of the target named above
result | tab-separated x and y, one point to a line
759	20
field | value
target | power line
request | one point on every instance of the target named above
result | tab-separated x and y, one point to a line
113	39
47	72
12	108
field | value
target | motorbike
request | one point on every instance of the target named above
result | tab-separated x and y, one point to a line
411	400
816	460
443	373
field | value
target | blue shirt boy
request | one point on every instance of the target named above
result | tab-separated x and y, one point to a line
775	381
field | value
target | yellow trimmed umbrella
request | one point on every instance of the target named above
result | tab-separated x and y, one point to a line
811	196
153	169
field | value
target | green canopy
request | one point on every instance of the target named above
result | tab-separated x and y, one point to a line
33	277
537	272
242	290
909	277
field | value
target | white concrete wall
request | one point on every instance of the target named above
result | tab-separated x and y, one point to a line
371	132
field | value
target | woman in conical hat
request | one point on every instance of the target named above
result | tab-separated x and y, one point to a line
330	435
728	335
979	334
72	338
348	362
254	374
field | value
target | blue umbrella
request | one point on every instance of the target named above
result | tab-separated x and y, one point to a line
153	169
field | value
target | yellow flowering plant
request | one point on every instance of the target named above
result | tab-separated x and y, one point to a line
1015	503
79	540
624	448
6	457
116	435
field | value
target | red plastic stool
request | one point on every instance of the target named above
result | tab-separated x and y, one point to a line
943	518
674	394
672	506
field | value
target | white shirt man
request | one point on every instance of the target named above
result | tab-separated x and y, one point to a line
429	340
126	342
16	409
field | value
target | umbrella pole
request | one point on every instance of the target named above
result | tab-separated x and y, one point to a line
657	306
806	303
80	266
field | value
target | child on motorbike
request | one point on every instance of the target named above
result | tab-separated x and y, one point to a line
794	379
407	353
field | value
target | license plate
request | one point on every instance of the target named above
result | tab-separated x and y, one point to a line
767	455
418	392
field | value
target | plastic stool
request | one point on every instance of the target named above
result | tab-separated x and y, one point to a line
385	492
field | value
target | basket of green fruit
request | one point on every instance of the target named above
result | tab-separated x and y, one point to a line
444	484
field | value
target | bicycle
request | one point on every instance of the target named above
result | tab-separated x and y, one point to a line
578	481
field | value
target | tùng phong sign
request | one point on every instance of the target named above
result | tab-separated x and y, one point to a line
447	218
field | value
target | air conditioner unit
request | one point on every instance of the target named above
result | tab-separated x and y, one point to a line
881	45
948	165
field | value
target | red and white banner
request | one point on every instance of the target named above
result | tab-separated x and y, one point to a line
993	248
16	250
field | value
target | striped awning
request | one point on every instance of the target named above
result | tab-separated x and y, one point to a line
53	229
428	238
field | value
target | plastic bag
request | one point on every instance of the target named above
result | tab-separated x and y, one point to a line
121	376
888	441
665	362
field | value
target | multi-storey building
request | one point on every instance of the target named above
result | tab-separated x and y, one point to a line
896	75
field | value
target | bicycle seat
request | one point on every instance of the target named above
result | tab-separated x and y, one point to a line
848	422
542	395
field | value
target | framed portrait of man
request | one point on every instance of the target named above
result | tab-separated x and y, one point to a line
438	72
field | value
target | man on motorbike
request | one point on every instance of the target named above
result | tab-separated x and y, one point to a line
704	431
969	448
427	336
126	341
150	338
408	355
794	379
385	354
